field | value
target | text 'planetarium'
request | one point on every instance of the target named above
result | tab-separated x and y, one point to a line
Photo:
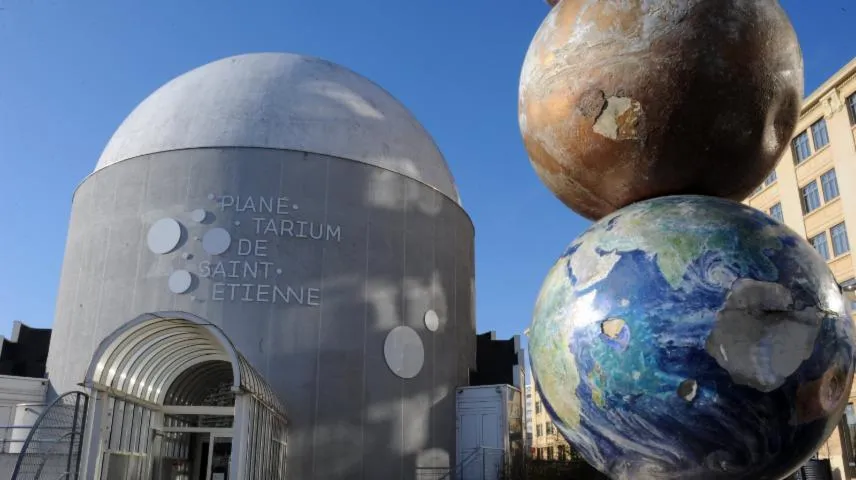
269	271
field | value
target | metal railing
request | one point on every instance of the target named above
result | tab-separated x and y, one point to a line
8	442
480	463
52	449
8	439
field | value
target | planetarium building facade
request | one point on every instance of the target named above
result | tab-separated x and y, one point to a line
269	272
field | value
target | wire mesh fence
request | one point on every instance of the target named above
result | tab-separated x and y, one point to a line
482	463
52	449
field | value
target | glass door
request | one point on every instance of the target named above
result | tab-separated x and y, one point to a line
220	458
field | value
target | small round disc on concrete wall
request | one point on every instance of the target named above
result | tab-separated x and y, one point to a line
404	352
164	236
180	281
199	215
216	241
432	321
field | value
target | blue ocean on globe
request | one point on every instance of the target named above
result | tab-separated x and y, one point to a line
691	337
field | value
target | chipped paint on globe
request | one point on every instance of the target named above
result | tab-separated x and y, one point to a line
624	101
692	337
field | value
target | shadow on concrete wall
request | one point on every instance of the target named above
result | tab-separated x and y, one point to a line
420	255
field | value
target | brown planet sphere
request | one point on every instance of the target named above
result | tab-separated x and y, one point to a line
621	101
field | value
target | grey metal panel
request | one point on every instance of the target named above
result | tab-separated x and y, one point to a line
420	280
337	440
350	416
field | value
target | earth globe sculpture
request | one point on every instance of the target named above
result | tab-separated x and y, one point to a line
621	101
692	337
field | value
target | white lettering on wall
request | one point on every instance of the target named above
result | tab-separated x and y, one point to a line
297	229
265	293
254	278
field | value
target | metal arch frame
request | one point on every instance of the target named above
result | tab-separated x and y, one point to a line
189	385
140	360
113	341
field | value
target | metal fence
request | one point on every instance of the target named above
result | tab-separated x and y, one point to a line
574	469
53	447
482	463
814	469
12	437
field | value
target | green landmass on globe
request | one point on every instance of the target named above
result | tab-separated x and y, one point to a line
692	337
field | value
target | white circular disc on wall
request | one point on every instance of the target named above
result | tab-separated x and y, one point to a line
216	241
180	281
404	352
199	215
164	236
432	321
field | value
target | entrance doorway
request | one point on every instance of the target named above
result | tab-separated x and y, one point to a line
173	400
214	457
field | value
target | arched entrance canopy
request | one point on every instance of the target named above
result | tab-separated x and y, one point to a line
144	357
155	373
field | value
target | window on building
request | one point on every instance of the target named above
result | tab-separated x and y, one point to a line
550	453
819	244
819	134
771	179
802	149
851	108
810	197
537	407
829	182
563	453
776	212
539	430
840	243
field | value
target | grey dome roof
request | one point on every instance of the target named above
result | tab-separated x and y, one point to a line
282	101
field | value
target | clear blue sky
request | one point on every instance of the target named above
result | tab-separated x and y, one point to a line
70	71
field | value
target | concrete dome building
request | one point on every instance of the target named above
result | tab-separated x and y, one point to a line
271	251
282	102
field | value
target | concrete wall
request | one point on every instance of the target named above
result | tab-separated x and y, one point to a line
391	248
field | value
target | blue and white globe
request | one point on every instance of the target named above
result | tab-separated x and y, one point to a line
691	337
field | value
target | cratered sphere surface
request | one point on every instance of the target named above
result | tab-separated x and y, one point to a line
622	101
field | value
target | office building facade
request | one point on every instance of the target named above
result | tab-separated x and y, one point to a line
547	442
529	418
